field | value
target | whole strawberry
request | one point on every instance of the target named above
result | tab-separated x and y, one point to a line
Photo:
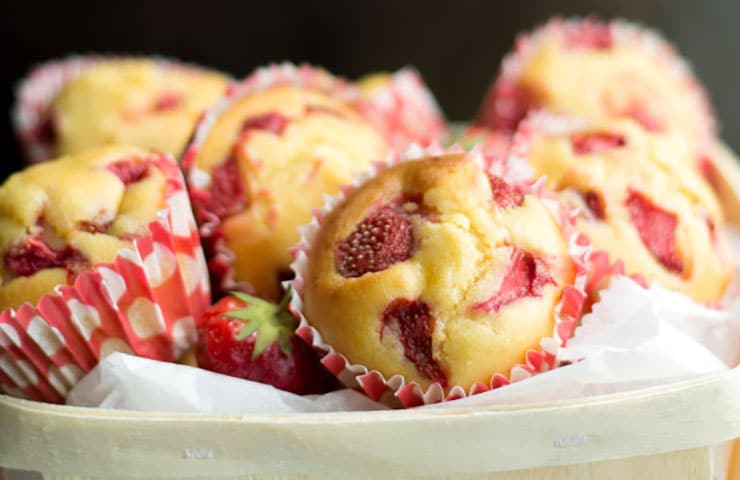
247	337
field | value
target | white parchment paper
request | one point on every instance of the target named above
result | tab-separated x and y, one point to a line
634	338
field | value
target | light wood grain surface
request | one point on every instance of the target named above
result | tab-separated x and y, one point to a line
414	442
681	465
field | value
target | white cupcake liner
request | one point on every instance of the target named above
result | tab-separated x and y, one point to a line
396	391
404	109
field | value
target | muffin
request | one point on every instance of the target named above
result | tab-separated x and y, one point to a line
402	107
61	217
100	254
638	198
599	70
69	106
436	272
263	158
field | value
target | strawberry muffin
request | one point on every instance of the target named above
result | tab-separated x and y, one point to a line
662	221
263	158
59	218
599	70
402	107
435	271
69	106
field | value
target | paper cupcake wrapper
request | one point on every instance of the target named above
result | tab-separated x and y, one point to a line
492	143
32	120
501	107
396	391
404	109
220	258
146	302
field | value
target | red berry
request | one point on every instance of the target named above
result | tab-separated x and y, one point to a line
228	194
34	255
272	122
595	142
129	171
167	101
657	229
504	194
526	277
282	359
382	239
415	324
595	204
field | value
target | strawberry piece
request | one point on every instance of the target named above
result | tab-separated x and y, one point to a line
250	338
228	194
657	229
588	143
129	171
35	255
595	204
415	324
504	194
167	101
273	122
381	240
525	278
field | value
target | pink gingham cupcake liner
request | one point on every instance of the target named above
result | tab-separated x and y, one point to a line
396	391
147	302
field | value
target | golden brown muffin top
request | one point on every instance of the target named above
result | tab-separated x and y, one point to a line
143	102
640	198
438	272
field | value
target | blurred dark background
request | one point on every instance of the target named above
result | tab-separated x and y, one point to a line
457	45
